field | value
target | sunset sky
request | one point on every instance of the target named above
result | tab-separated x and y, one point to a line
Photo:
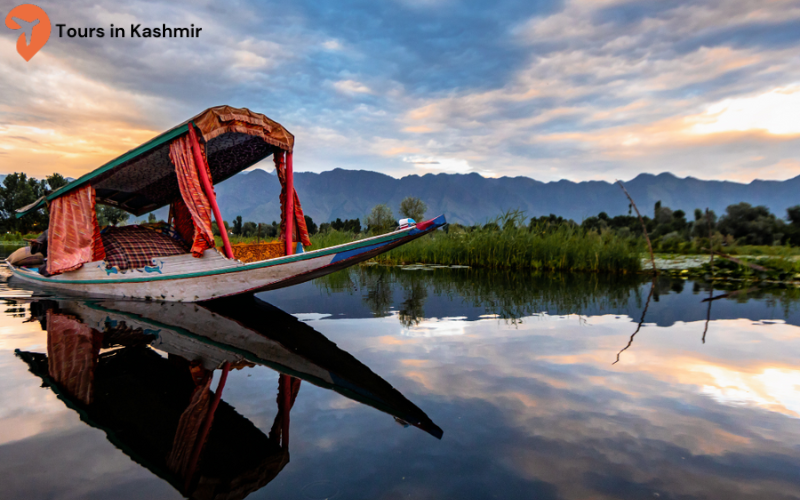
576	89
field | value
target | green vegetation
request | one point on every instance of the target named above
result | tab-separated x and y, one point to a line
347	225
413	208
743	230
111	216
774	270
380	220
17	191
507	243
11	241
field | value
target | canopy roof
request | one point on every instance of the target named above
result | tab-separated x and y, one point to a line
144	179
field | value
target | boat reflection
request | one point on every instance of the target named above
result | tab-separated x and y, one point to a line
142	372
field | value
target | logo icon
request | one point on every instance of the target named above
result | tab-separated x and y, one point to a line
35	26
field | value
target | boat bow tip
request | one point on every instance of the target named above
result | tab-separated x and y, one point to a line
436	222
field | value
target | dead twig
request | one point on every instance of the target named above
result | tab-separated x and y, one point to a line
741	262
708	313
641	321
710	244
730	294
644	227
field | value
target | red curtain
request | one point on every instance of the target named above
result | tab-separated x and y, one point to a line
180	152
182	220
189	426
72	354
300	220
73	234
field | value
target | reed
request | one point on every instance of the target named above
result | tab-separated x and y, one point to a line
547	248
332	238
505	243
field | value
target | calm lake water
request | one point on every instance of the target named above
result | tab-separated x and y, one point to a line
390	383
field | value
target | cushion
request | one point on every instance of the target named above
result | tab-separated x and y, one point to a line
23	257
131	247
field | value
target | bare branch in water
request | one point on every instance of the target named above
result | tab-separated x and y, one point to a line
710	244
644	228
709	299
731	294
741	262
641	321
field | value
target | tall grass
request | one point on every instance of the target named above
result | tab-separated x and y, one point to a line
332	238
506	243
563	247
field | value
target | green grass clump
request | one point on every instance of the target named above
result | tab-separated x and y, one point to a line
506	243
332	237
562	247
777	270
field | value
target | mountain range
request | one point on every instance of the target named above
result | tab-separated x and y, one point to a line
471	198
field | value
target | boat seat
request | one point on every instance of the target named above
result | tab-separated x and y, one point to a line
132	247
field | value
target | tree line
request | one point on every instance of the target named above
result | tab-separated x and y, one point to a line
671	230
379	220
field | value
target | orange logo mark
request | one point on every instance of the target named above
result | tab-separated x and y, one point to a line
35	26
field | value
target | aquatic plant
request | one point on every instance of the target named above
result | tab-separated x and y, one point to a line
506	244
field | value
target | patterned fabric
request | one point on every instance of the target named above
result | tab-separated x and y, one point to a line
181	219
74	236
132	247
72	354
300	220
219	120
259	251
189	427
180	151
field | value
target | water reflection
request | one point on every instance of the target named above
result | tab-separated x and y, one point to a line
474	294
517	368
142	373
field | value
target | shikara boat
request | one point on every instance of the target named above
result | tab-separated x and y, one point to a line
105	360
179	168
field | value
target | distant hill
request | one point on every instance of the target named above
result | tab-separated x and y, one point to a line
470	198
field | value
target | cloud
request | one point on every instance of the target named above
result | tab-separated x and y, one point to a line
332	45
442	165
351	87
774	112
576	89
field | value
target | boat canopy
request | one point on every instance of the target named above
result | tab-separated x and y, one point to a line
144	178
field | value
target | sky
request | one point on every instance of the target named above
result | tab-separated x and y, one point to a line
578	90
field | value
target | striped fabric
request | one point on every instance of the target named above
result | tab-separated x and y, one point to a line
180	152
301	231
132	247
190	427
74	236
72	354
181	219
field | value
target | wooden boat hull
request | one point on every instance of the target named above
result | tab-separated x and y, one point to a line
183	278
